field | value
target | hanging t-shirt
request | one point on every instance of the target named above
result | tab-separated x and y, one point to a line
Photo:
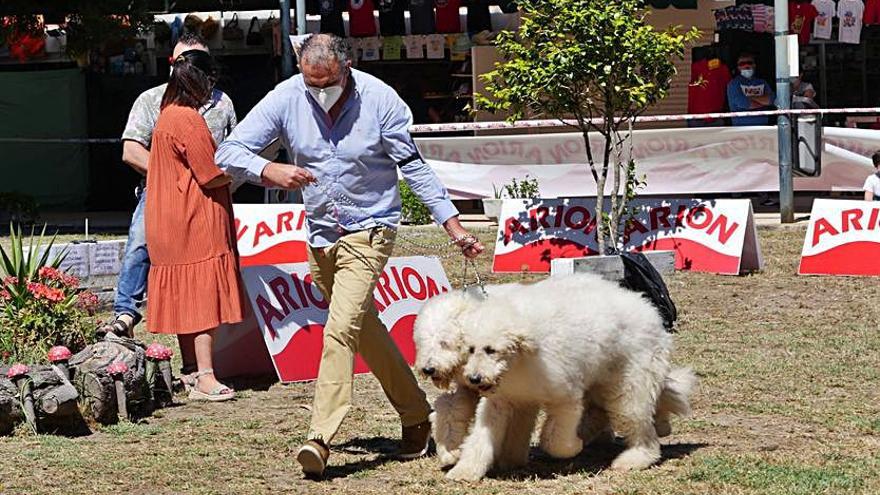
825	12
436	46
415	46
448	20
872	12
331	18
850	13
460	48
478	17
421	16
391	22
391	47
361	21
370	48
707	91
800	18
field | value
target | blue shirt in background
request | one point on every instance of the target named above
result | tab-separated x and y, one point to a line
739	92
356	158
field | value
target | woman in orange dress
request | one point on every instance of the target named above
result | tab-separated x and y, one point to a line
194	284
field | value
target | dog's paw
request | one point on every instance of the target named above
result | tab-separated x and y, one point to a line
447	457
636	458
563	448
465	472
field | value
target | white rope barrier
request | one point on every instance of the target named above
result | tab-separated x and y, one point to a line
522	124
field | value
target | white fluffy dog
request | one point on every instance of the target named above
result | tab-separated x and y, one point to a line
440	354
547	345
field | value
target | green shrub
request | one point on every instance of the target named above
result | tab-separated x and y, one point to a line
525	188
412	209
40	306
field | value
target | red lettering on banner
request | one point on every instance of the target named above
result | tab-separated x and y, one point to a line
269	313
697	224
281	289
262	230
569	214
851	217
385	289
823	226
408	274
313	293
539	214
872	223
679	217
512	226
239	229
631	226
284	220
660	216
720	224
410	285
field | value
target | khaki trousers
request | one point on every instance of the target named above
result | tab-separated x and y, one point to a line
346	273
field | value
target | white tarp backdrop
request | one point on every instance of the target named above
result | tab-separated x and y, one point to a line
676	161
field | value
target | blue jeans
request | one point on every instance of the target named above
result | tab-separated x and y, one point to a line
131	289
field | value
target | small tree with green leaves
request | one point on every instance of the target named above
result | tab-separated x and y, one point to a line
596	65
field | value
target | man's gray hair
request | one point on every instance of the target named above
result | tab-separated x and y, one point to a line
325	49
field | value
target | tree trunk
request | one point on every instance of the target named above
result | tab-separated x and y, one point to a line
95	385
55	400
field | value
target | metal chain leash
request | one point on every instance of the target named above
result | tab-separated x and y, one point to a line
469	240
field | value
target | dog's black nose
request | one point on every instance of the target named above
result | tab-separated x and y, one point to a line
428	370
475	379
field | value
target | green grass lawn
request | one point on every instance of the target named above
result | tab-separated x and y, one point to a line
788	404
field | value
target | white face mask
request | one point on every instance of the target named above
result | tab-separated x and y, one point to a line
326	97
747	73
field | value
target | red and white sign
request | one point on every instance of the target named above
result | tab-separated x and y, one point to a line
292	312
267	235
843	238
716	236
271	234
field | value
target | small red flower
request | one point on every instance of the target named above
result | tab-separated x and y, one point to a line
87	301
17	370
10	280
54	295
69	281
49	273
4	295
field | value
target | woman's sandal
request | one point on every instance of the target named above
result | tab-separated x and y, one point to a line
116	327
220	393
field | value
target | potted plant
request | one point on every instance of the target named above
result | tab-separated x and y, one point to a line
526	188
595	65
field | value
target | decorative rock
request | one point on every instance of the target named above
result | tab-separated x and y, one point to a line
98	389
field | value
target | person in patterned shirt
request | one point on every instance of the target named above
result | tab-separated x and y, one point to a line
131	288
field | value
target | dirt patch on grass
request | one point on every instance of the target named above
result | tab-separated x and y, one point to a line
787	404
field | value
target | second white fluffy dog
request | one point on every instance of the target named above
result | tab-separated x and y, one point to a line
545	346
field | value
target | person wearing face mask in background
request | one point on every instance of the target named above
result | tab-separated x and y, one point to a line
348	134
745	92
219	114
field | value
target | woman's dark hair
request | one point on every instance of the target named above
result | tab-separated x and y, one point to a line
876	159
192	80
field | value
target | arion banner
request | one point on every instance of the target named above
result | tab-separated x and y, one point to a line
716	236
292	312
267	235
692	162
843	238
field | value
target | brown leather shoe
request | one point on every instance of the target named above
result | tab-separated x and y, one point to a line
415	441
312	456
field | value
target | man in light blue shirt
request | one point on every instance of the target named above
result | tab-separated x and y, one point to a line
347	133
